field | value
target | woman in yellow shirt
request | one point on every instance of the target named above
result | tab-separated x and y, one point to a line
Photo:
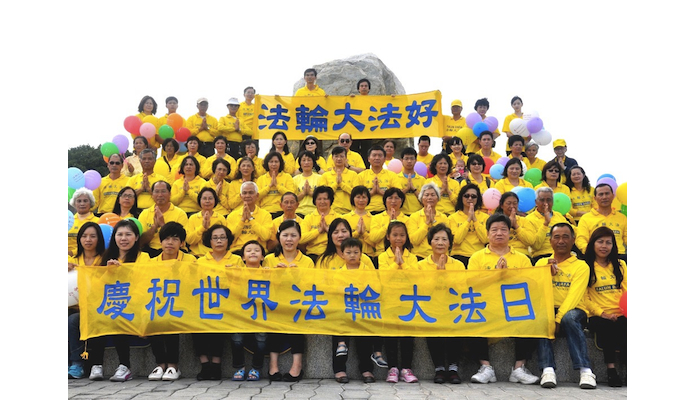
306	182
332	258
468	224
125	204
441	167
522	231
169	162
246	172
581	192
280	146
455	149
221	170
200	222
251	149
83	201
274	183
552	177
531	161
132	164
313	145
186	188
512	174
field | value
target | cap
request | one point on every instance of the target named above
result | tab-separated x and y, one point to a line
457	102
558	143
201	99
233	101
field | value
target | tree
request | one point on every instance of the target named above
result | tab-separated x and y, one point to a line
86	158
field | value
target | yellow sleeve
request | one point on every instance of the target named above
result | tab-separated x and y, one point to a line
578	289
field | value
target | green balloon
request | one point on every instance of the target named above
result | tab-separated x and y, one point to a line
70	194
109	148
138	224
624	209
561	203
166	132
533	176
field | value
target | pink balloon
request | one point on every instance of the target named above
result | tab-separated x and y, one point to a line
503	161
421	169
472	119
395	166
534	125
122	142
609	182
492	123
491	198
147	130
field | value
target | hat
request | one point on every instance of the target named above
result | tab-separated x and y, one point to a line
457	102
233	101
559	142
201	99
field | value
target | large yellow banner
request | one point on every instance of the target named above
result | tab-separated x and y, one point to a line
180	297
364	117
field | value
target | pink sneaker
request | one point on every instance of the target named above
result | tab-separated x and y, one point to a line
393	375
408	376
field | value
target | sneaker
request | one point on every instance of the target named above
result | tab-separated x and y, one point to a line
97	373
408	376
156	375
171	374
393	375
485	374
122	374
379	361
452	377
75	371
439	376
522	375
588	380
548	380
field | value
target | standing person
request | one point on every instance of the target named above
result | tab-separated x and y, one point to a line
200	222
423	146
377	179
132	164
468	224
316	224
581	193
306	182
313	145
172	104
531	161
604	215
516	104
454	123
185	189
389	146
204	127
279	144
152	219
608	282
143	182
440	167
249	222
354	161
274	183
148	108
543	219
570	278
481	107
311	88
410	181
245	114
420	222
83	202
166	347
340	179
512	176
220	145
560	148
231	127
107	192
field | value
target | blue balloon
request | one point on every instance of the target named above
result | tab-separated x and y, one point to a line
107	231
76	179
496	171
527	199
71	219
182	147
479	128
606	176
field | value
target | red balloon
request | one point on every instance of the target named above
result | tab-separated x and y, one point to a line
133	124
488	163
623	304
182	134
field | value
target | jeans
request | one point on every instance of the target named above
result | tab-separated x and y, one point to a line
572	325
75	345
238	343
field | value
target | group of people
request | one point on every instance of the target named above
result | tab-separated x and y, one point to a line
220	204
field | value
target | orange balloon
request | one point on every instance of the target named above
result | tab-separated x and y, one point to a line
109	219
105	159
175	121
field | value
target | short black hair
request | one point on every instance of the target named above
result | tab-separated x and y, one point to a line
323	189
143	100
171	98
498	217
482	102
363	80
173	229
424	138
313	70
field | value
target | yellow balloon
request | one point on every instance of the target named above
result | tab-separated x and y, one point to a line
622	193
152	119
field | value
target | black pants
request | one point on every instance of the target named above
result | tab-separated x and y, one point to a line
165	348
97	345
209	344
234	149
277	342
406	348
206	149
611	336
363	346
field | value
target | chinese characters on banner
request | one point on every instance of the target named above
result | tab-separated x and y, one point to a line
364	117
181	297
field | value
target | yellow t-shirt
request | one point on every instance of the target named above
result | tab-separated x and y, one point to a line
300	261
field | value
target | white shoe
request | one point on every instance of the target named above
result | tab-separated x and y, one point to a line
171	374
548	380
588	380
485	374
156	375
97	373
522	375
122	373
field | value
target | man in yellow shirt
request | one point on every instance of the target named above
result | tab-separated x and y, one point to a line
570	278
481	107
410	181
355	161
604	215
249	222
142	183
543	219
423	146
233	129
204	126
454	123
311	88
377	179
245	114
341	180
107	193
152	219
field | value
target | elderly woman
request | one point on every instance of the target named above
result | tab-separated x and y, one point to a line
83	202
221	170
421	221
132	164
531	161
468	224
200	222
274	183
316	224
552	176
441	167
512	176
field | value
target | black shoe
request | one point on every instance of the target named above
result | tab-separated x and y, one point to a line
613	378
368	378
276	377
439	376
205	372
291	378
341	379
216	372
452	377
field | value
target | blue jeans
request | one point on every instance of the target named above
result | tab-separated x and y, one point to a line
75	345
238	342
572	325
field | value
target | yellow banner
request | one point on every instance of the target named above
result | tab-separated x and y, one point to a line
363	117
180	297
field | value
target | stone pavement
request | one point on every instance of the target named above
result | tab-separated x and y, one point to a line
141	389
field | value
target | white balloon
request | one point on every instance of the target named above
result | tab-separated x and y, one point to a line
542	138
519	127
527	115
73	294
524	169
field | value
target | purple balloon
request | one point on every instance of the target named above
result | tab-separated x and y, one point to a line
534	125
609	182
503	161
492	123
421	169
92	179
122	142
472	119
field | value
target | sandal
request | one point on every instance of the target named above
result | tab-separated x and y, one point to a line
341	350
253	375
379	361
239	375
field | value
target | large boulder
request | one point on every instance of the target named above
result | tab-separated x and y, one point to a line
339	78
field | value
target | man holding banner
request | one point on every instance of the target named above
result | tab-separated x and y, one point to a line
355	162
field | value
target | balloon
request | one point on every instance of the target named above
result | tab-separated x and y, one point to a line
430	174
491	198
492	123
421	169
107	231
76	179
166	132
488	162
175	121
464	132
609	182
182	134
606	176
147	130
71	219
496	171
503	161
624	209
534	125
479	128
70	193
623	304
121	142
395	165
472	118
92	179
149	119
533	176
541	138
109	148
73	293
622	193
519	127
132	124
529	115
182	147
138	224
109	219
561	203
527	198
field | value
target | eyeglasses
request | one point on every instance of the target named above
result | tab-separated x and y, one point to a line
475	163
219	238
127	196
310	143
553	170
344	141
114	162
469	196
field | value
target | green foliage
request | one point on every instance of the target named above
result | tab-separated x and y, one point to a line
86	157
